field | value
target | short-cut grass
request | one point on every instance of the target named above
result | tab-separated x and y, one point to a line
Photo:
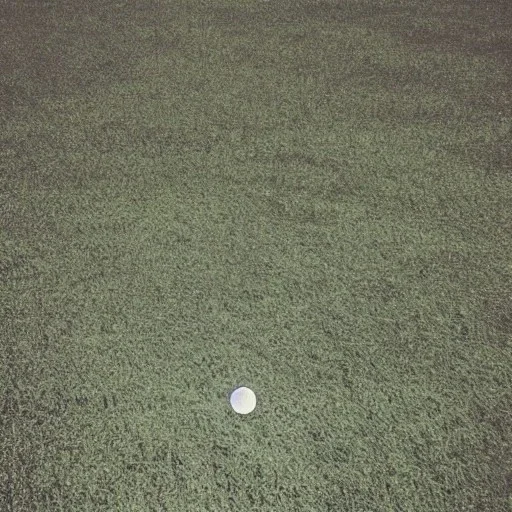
308	198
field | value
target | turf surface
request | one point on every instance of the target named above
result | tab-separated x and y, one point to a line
308	198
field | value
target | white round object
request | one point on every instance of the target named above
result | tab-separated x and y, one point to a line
243	400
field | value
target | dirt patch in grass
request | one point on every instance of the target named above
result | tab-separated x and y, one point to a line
50	49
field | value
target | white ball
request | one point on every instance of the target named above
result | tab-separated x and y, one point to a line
243	400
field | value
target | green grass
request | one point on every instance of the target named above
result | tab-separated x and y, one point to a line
311	199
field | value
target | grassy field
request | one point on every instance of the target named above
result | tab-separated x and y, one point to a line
308	198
